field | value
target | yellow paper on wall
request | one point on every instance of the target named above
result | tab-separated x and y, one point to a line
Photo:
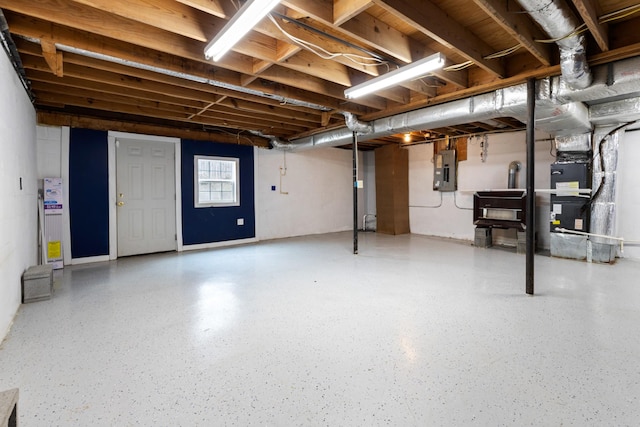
53	249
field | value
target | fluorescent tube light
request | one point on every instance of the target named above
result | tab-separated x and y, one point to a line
242	22
408	72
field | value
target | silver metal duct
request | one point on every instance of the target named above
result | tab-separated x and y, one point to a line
354	125
573	143
603	207
615	112
514	168
555	17
506	102
559	109
618	78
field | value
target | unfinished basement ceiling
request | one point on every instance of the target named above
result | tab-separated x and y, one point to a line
139	65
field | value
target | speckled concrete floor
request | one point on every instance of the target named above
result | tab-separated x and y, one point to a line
413	331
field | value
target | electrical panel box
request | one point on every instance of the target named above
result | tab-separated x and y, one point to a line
444	171
569	208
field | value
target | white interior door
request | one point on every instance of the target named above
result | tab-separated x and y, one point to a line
145	196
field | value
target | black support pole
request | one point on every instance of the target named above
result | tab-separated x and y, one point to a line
531	195
355	193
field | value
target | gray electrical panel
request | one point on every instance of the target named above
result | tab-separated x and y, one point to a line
444	171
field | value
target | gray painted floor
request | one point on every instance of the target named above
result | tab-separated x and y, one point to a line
413	331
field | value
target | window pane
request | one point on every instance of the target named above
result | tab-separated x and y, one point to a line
216	181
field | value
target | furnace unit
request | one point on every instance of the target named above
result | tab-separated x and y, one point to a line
569	208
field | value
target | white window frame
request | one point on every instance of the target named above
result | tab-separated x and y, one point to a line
196	182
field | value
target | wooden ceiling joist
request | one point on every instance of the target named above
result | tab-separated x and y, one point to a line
522	29
588	10
431	20
77	121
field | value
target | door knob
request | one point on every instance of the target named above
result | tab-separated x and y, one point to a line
119	204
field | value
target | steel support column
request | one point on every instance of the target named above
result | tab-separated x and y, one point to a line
355	193
531	195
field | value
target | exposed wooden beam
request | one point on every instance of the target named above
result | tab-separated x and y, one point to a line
118	28
212	7
269	28
41	82
167	86
184	20
87	122
434	22
215	109
522	29
306	62
483	126
39	29
122	29
167	113
343	10
369	30
52	56
589	12
321	10
165	14
252	107
25	26
420	87
247	102
288	76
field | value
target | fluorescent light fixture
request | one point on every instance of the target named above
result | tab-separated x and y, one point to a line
242	22
408	72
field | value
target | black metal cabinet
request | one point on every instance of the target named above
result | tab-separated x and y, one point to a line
570	209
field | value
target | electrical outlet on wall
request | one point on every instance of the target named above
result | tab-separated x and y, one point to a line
240	221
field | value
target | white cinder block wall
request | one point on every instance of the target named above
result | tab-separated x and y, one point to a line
49	151
18	210
456	222
320	192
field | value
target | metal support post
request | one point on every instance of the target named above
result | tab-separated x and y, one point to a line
355	193
531	194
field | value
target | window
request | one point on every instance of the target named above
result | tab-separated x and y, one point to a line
217	181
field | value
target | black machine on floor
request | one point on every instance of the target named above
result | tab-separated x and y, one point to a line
569	208
500	209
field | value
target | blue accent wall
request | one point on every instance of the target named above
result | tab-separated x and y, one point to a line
217	224
89	193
